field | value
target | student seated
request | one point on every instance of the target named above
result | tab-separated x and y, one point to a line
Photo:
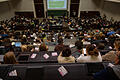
60	45
79	46
24	48
110	56
65	56
43	47
9	58
92	55
111	72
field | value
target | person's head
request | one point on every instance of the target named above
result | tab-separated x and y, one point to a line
66	52
43	47
67	35
9	58
102	36
96	37
85	39
117	45
117	60
79	44
74	33
60	41
91	50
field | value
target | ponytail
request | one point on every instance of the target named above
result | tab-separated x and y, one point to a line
91	50
94	52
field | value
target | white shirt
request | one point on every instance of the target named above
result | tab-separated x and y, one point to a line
89	58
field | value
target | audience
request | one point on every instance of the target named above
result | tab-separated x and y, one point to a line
65	56
92	55
95	34
35	33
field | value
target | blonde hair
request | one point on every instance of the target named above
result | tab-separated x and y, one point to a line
24	48
9	58
117	44
117	60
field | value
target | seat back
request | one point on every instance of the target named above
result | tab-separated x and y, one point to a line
94	67
21	71
75	72
34	73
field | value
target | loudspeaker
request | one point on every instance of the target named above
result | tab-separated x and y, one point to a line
38	1
74	8
39	8
75	1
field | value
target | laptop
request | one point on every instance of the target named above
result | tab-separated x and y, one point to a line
23	57
17	44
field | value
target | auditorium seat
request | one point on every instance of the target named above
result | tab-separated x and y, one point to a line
103	52
5	71
94	67
49	71
75	72
21	71
3	50
34	73
23	57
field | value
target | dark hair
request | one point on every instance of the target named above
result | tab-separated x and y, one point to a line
117	61
66	52
86	39
97	37
79	44
91	50
60	41
43	47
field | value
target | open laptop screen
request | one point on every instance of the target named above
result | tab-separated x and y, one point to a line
17	44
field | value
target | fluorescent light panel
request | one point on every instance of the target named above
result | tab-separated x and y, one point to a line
3	0
114	1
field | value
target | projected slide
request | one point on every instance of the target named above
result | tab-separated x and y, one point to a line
57	4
